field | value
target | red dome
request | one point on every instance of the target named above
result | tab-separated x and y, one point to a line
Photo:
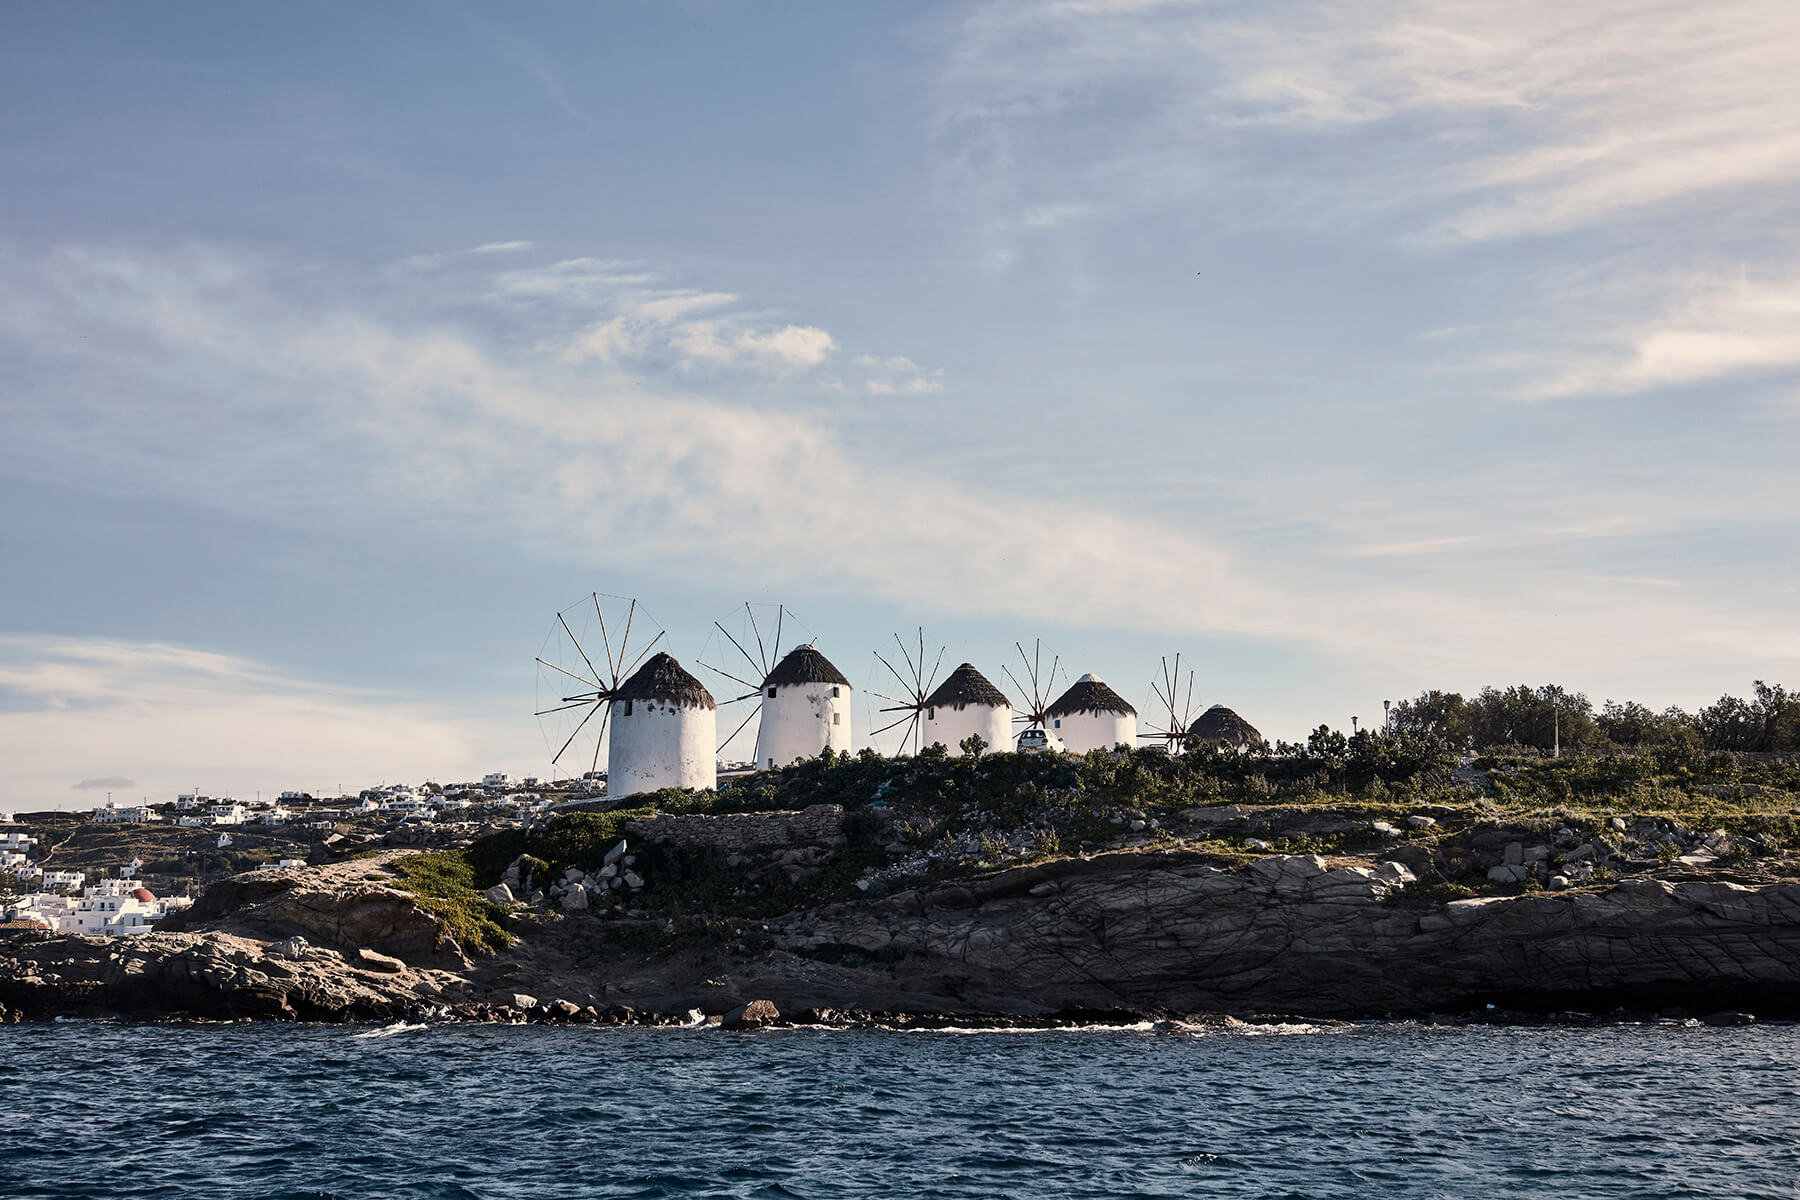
144	894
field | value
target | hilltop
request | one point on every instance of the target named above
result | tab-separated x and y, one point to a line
1020	885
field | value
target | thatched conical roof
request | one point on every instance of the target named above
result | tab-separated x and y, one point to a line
662	678
966	685
1090	694
1222	727
804	665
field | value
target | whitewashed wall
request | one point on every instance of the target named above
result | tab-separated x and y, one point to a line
1084	731
800	720
950	726
660	744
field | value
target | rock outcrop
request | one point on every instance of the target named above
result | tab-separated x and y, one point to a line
346	907
1169	932
1289	934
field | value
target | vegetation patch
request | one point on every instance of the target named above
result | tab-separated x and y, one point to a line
443	883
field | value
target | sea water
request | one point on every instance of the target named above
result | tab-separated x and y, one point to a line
102	1110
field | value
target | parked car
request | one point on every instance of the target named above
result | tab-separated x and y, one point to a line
1040	739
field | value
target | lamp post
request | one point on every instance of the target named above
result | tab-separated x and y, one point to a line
1386	724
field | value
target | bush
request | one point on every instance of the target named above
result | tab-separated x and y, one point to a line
442	882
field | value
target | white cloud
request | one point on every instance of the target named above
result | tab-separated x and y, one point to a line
1435	125
188	360
168	718
1708	328
1526	118
791	345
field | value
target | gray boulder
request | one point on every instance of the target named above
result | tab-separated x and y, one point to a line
294	949
500	894
753	1015
575	899
370	960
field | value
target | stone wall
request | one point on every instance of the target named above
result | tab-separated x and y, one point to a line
816	825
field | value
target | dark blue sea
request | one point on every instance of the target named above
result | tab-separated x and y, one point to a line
1392	1110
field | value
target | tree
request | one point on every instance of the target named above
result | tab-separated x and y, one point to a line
1445	714
973	745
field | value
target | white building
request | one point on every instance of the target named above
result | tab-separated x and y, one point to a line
229	814
967	704
1091	716
17	841
495	780
111	908
664	731
134	814
276	816
805	709
62	881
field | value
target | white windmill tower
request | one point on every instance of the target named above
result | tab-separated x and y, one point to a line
573	690
665	727
1172	735
803	700
966	705
1091	716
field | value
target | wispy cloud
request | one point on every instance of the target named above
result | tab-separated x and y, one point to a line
180	718
1437	125
189	359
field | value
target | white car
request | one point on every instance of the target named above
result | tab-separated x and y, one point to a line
1040	739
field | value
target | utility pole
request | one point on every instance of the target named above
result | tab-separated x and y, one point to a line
1386	724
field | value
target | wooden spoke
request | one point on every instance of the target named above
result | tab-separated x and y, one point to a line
641	653
578	649
739	645
557	757
598	739
740	727
611	664
573	675
762	663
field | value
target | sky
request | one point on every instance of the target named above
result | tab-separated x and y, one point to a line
1347	349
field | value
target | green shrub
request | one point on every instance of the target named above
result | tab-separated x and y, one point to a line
443	883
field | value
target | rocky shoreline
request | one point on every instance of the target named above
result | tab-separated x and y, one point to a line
1164	937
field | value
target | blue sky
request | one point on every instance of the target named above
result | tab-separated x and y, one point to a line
1348	349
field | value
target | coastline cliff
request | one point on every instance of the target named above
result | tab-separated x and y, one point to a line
1011	889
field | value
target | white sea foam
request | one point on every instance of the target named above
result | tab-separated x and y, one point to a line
389	1030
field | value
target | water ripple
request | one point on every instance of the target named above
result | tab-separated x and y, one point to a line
482	1113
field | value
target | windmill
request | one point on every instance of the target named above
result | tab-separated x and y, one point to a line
1168	696
1037	698
915	687
573	689
758	665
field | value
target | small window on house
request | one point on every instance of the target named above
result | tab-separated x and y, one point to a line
771	693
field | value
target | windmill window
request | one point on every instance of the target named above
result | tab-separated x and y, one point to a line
771	693
835	720
834	691
1057	724
628	708
931	714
